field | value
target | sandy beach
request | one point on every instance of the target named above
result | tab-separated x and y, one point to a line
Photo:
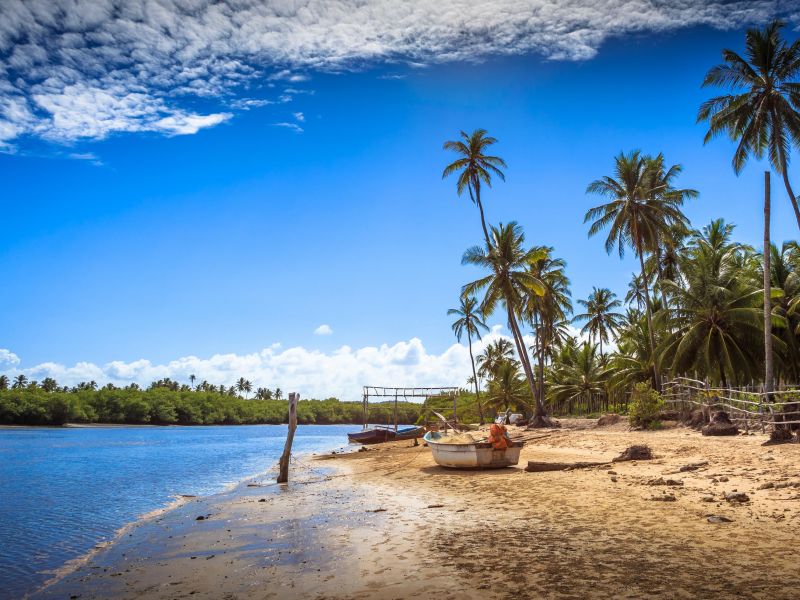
389	523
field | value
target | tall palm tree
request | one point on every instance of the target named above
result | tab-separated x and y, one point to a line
601	320
470	321
192	379
509	282
278	393
636	292
244	386
20	381
761	110
3	382
635	216
474	167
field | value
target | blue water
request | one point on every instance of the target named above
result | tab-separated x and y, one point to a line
64	490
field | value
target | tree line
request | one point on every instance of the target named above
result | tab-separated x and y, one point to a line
33	404
702	304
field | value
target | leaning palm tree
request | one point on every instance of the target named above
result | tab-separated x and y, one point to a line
762	111
474	167
470	321
509	282
635	216
601	320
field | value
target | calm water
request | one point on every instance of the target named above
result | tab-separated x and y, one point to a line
64	490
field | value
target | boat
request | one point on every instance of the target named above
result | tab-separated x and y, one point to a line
461	451
383	433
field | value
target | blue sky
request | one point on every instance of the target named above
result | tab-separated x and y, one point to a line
142	245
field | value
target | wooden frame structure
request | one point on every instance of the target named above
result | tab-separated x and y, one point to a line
404	393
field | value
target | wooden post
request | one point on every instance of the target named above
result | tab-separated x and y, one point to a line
283	475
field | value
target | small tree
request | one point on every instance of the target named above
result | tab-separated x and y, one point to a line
645	406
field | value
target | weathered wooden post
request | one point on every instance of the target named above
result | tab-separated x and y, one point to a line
283	474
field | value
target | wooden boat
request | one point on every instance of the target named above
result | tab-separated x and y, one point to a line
457	454
383	433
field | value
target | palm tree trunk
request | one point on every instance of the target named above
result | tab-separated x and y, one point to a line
789	191
475	378
660	275
656	378
540	416
483	218
767	288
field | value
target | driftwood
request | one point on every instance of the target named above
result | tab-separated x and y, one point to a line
540	467
283	474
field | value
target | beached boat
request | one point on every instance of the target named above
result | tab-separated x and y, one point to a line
460	451
382	433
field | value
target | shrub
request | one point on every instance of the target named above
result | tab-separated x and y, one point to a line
645	406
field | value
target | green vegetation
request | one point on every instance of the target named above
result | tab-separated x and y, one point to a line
702	305
162	405
645	406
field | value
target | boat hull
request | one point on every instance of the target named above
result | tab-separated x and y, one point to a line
479	455
380	435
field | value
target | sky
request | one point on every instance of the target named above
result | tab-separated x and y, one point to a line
254	189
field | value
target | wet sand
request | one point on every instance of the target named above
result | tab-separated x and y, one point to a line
389	523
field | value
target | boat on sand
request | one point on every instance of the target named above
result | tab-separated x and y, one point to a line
383	433
463	451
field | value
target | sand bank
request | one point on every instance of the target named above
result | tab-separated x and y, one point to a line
389	523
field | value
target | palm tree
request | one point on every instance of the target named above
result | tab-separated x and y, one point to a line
244	386
192	379
20	381
633	361
636	291
278	393
509	282
474	167
3	382
49	384
601	320
761	112
547	312
264	394
635	216
507	389
470	321
493	356
785	279
579	377
715	317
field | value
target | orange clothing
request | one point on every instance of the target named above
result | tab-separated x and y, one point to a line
498	437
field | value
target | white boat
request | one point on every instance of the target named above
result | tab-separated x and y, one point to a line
458	452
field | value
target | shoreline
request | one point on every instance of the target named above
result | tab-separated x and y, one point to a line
389	523
178	501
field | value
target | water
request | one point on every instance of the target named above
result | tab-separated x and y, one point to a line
64	490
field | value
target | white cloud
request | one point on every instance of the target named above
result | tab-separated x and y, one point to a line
299	116
323	330
293	126
8	358
73	69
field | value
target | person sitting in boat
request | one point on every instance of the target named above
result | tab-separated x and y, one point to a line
498	437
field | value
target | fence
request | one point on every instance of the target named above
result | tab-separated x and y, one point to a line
748	407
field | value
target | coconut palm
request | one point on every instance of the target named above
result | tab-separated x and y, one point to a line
244	386
470	321
474	167
278	394
20	381
3	382
632	363
715	319
601	320
499	351
635	215
547	312
761	110
509	282
636	291
192	379
785	280
507	389
579	377
49	384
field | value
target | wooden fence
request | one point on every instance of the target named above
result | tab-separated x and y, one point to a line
749	407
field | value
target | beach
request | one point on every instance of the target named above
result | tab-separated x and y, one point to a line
389	523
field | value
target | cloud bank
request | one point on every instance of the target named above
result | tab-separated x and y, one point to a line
340	373
85	69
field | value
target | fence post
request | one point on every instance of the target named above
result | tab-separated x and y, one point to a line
283	474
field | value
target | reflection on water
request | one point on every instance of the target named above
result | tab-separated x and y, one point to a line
64	490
